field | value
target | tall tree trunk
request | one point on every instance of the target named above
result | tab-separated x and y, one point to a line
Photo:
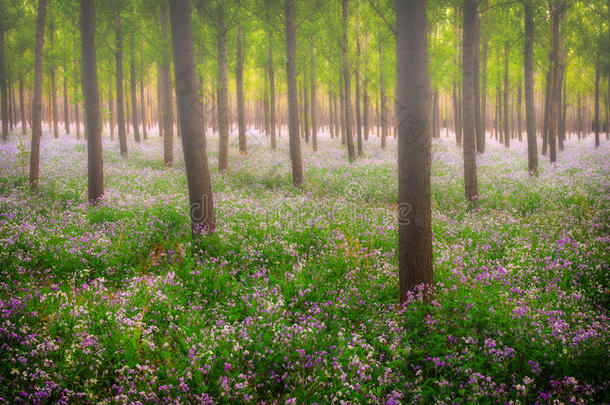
331	116
293	107
223	91
37	104
305	110
414	152
547	110
272	95
66	104
483	130
134	97
468	105
478	127
435	128
382	100
314	121
357	79
528	70
3	86
53	89
190	119
597	112
22	107
365	108
167	109
95	170
111	110
579	117
120	112
239	79
505	103
143	115
561	130
556	84
519	119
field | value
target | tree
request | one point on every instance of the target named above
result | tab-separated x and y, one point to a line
3	86
120	112
293	106
414	151
167	113
95	169
528	70
239	79
191	119
468	104
37	102
347	85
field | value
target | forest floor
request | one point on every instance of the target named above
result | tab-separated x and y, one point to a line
293	300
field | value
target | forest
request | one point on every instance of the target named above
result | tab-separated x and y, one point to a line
305	202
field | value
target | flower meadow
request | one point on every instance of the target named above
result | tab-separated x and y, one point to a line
294	299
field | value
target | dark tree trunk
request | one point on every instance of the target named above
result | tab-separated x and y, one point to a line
293	107
505	103
167	109
3	86
528	69
468	105
314	121
483	130
223	92
479	130
519	126
22	107
239	79
66	104
272	95
111	110
358	118
37	104
597	118
120	112
95	170
556	77
382	100
190	119
414	152
365	108
53	89
134	94
547	111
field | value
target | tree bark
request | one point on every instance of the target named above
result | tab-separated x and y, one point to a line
223	92
505	103
414	151
479	130
37	103
357	79
272	95
481	135
111	112
556	77
528	70
597	112
468	104
347	85
314	121
3	86
120	112
191	120
239	79
53	89
134	97
293	107
143	115
95	170
167	109
365	108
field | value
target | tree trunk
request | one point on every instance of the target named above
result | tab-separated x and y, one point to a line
478	127
519	126
239	79
95	170
314	121
293	107
22	107
3	86
143	115
111	112
483	130
190	119
223	92
66	104
528	70
468	104
134	97
365	109
37	107
414	152
167	109
547	110
597	112
120	112
53	90
556	84
271	95
505	103
357	79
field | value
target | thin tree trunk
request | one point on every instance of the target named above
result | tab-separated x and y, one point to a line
111	110
22	107
314	121
95	170
223	92
134	95
478	127
37	107
272	95
468	104
53	89
556	85
597	112
357	79
365	109
66	104
143	115
505	103
191	120
119	87
519	126
483	130
3	86
293	107
167	109
414	152
547	111
239	79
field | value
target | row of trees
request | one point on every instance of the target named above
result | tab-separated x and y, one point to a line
401	61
